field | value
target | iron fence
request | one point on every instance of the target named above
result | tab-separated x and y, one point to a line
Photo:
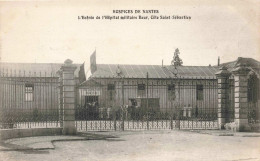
28	99
128	119
131	104
253	100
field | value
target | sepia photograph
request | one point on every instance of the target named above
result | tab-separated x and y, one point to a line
130	80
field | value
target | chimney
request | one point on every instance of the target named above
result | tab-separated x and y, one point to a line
218	61
162	62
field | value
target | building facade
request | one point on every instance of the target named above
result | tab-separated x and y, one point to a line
139	90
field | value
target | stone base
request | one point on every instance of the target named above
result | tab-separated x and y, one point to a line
69	128
242	125
221	123
177	124
19	133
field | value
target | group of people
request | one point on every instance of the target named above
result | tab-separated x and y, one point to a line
92	111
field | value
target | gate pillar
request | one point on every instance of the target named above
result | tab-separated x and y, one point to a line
241	101
60	98
223	84
68	97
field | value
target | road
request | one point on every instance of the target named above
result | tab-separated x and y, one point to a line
148	146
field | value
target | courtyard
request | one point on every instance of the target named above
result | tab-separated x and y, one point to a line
137	145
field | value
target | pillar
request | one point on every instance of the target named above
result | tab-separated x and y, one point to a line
68	97
223	84
241	101
60	98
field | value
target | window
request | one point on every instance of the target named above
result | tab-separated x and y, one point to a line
111	95
171	92
29	92
153	104
141	86
110	87
250	94
199	92
141	90
111	91
252	91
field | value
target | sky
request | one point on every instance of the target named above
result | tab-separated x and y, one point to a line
50	32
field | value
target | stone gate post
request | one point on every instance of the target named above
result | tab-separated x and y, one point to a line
68	97
241	101
223	83
60	98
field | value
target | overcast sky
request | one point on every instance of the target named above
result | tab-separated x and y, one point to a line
47	32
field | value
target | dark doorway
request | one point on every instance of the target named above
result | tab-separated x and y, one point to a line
91	99
91	106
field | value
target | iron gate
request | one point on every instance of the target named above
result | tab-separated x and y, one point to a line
146	104
253	99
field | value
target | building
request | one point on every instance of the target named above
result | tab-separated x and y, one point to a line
116	85
29	91
189	91
166	88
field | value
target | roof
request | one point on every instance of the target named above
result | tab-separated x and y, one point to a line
127	71
158	71
33	69
154	71
252	64
248	61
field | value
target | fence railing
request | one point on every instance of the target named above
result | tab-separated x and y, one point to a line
133	113
127	118
102	102
28	99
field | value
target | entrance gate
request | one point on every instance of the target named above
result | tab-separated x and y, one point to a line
146	104
253	99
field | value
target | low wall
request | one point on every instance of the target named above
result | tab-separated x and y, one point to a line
18	133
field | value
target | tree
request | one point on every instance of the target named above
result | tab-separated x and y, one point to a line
176	59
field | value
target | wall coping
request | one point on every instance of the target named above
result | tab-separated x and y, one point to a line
19	133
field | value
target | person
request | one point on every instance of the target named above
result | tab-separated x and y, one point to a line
126	112
196	111
108	112
95	108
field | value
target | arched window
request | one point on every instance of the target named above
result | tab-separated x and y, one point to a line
253	88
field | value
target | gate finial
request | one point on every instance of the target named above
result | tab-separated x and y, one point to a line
68	62
118	71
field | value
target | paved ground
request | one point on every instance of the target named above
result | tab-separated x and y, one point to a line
138	145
